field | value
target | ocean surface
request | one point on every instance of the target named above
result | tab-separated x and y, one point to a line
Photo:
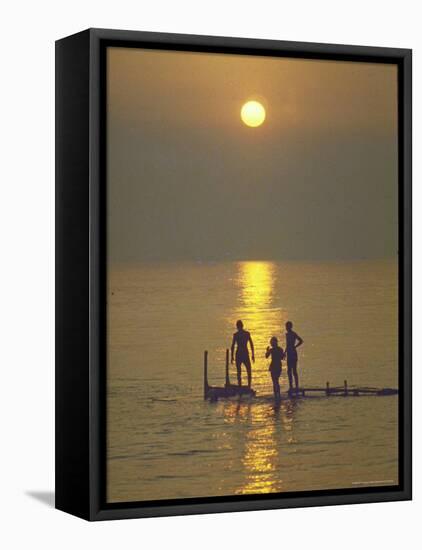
164	441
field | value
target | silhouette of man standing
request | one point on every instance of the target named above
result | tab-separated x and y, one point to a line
293	341
241	339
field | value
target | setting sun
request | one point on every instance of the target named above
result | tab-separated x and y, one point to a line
252	114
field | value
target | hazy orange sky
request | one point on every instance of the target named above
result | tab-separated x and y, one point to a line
188	180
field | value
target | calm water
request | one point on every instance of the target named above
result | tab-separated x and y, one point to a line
165	442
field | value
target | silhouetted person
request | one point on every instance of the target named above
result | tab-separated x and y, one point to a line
293	341
241	339
277	354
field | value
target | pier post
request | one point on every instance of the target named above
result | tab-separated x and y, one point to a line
346	392
227	369
206	387
327	389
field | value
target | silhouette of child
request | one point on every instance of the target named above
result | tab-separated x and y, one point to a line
277	354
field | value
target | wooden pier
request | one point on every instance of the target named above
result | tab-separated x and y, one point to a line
213	393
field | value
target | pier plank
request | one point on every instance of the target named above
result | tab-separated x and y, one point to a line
213	393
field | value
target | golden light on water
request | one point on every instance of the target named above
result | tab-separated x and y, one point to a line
268	433
257	284
261	454
253	114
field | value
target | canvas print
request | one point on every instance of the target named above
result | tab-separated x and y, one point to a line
252	275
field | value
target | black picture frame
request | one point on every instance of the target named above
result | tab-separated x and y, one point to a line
81	270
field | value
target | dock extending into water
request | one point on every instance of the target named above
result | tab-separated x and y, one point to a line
213	393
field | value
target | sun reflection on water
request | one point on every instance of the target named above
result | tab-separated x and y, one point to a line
256	282
260	459
266	430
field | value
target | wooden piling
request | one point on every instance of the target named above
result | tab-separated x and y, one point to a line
206	387
227	369
346	392
327	388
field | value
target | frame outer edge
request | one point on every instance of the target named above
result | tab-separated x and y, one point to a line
96	36
407	269
94	275
72	257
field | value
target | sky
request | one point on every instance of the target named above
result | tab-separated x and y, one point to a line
188	180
